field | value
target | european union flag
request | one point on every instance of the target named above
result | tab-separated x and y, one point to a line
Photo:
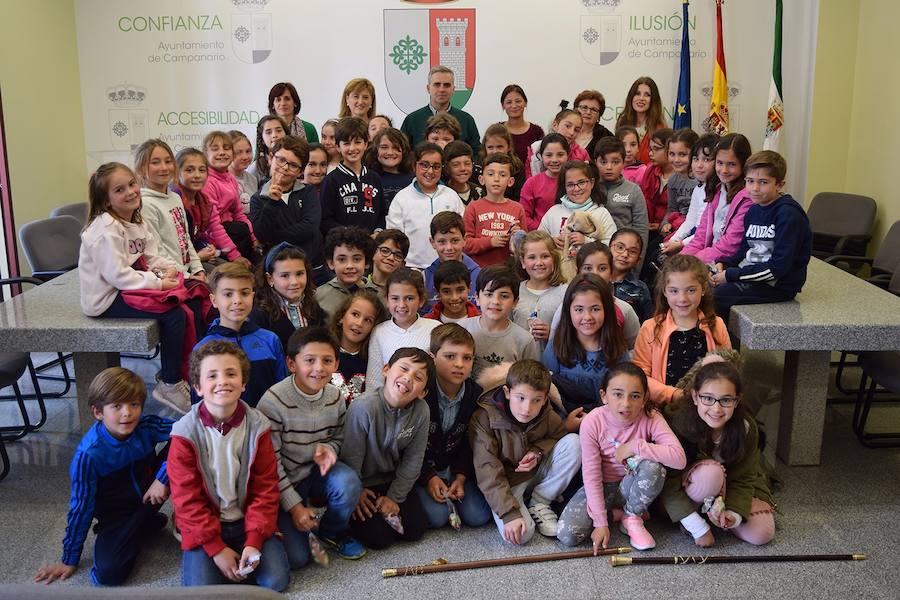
683	103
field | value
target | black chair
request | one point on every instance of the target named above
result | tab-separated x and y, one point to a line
879	369
841	223
881	268
51	245
12	366
4	461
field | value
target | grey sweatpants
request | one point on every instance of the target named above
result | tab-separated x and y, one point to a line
634	493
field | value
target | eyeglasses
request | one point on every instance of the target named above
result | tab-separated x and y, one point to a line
586	108
384	251
724	401
577	185
427	166
655	148
286	164
620	248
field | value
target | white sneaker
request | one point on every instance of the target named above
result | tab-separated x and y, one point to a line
176	396
545	519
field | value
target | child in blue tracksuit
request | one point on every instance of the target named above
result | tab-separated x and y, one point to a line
231	285
770	265
118	478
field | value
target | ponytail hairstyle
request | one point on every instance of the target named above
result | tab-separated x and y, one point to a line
564	111
732	446
565	342
683	263
98	192
598	192
262	152
269	301
142	159
740	145
632	370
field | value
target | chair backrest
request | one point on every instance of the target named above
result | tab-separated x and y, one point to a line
894	285
888	256
839	214
51	244
79	210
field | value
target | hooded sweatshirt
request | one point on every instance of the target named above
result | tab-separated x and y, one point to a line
224	190
165	218
776	247
625	202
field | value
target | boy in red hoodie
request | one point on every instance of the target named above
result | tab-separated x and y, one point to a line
224	478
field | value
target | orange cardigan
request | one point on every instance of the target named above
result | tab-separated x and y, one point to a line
651	354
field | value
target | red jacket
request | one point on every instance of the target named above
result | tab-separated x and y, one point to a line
196	511
657	199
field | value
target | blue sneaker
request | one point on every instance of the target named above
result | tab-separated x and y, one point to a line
346	546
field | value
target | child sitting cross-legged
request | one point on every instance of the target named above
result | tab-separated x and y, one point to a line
231	285
117	477
521	448
224	477
626	446
307	415
451	281
385	435
448	475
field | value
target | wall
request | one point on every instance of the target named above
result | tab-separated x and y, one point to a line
856	117
41	89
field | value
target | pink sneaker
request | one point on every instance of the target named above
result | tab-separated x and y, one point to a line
618	513
633	527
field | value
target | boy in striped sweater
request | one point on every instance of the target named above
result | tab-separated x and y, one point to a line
307	416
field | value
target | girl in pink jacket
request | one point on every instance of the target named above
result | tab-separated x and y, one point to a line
626	446
721	226
207	234
223	190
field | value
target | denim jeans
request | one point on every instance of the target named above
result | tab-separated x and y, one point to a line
273	572
340	488
171	334
473	509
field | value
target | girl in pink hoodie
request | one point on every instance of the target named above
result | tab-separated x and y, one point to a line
626	445
721	227
223	189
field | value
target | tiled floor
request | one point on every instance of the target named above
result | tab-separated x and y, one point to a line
848	504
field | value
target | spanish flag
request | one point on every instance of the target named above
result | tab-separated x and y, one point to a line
717	121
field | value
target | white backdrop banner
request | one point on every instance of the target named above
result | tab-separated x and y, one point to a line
178	69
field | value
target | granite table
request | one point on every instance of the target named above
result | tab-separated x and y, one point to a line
835	312
48	318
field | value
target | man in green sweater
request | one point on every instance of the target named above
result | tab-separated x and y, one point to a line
440	89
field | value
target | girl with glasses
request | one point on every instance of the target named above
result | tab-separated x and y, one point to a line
577	191
414	206
725	473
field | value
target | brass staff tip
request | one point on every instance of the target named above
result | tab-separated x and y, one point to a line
389	572
623	549
859	557
618	561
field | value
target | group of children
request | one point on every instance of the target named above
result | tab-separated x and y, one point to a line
319	414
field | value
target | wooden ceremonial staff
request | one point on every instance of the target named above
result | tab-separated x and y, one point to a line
620	561
441	567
